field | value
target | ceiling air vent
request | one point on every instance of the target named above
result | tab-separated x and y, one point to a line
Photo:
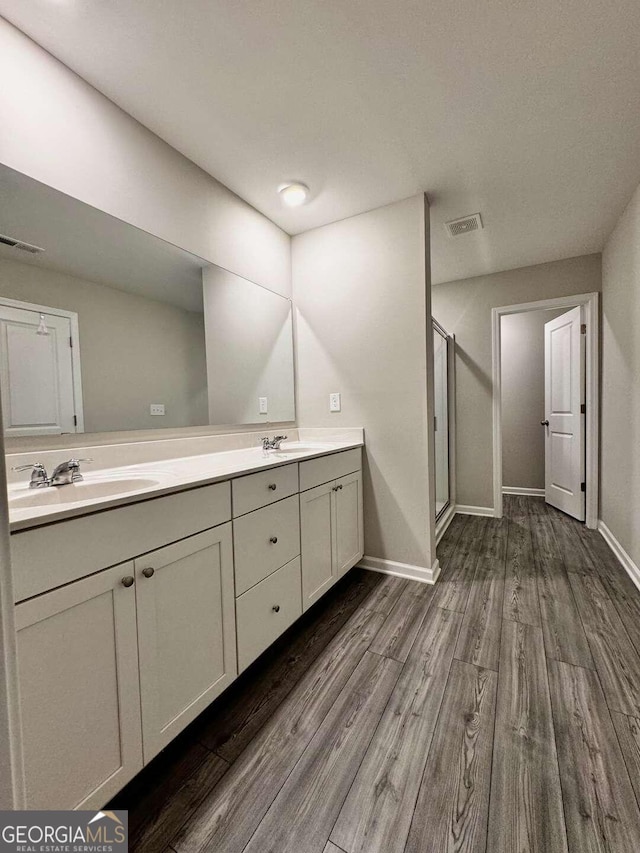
464	225
19	244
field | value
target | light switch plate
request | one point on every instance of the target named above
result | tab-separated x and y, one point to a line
334	402
156	409
262	405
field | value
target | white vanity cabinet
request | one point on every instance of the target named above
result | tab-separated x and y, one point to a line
331	523
131	621
186	632
79	691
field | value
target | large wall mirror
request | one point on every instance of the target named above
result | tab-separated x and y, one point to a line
104	327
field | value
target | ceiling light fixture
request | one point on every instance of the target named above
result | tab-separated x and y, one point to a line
294	193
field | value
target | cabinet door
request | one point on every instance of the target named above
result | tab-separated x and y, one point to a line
317	542
349	535
186	632
79	691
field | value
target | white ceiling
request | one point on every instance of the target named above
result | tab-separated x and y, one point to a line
526	110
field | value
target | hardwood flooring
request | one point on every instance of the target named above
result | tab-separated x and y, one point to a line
496	712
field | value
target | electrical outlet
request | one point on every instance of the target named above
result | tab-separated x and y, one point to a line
156	409
334	402
262	405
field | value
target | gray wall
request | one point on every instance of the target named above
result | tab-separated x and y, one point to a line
133	351
112	162
523	398
361	297
464	308
620	475
249	345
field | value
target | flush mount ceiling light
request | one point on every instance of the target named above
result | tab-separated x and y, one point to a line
293	193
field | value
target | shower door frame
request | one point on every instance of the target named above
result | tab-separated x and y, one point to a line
443	518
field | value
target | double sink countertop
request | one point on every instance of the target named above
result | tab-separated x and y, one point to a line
116	486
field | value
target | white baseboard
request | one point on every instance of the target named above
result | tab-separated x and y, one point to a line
401	570
625	560
523	490
475	510
444	521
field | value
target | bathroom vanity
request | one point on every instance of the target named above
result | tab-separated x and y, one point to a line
136	608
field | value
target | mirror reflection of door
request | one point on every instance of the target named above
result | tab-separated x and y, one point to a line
38	365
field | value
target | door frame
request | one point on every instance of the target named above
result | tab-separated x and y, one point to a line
72	316
590	304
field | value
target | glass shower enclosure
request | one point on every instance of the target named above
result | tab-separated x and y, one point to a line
443	389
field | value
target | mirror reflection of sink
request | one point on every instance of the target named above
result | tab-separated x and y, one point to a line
84	491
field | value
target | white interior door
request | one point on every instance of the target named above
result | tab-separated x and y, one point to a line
36	373
564	423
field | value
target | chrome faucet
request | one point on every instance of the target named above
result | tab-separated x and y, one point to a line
67	472
39	477
273	443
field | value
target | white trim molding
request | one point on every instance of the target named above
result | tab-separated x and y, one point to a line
625	560
444	521
590	302
401	570
523	490
475	510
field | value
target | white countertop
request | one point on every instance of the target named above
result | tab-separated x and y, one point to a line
106	488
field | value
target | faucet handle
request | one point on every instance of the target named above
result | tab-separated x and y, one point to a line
38	474
32	466
72	461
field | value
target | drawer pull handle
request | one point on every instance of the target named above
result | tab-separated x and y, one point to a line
272	487
276	608
148	573
127	581
273	540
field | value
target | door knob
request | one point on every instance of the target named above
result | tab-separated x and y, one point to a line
273	540
276	608
544	423
272	487
127	581
148	573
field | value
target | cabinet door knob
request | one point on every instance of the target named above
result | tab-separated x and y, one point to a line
276	608
127	581
544	423
272	487
148	573
273	540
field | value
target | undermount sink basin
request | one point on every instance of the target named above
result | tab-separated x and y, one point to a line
84	491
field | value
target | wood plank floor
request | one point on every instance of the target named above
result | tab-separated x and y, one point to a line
497	712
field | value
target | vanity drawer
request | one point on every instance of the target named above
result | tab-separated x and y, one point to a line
46	557
256	553
326	468
264	488
258	621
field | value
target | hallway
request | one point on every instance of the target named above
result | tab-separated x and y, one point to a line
498	710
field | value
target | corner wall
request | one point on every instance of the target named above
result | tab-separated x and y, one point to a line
59	130
464	309
620	439
361	289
